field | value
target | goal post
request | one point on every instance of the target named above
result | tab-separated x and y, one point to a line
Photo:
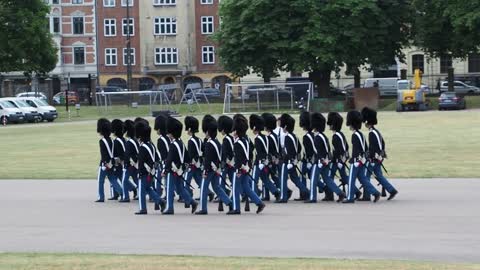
262	97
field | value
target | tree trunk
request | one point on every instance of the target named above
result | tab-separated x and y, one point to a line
356	78
321	81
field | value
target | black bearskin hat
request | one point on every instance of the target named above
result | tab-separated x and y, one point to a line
161	124
143	131
369	116
118	127
335	120
138	119
130	128
104	127
210	127
287	122
270	121
225	124
174	127
305	121
205	122
256	122
191	124
240	125
317	122
354	119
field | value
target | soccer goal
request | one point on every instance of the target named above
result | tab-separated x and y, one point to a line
272	97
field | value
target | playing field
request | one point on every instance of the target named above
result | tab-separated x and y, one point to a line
419	145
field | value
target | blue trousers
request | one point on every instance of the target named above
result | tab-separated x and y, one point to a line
127	183
304	171
195	174
359	172
214	179
145	186
292	173
101	182
176	183
227	172
315	182
267	184
376	168
343	175
158	181
243	184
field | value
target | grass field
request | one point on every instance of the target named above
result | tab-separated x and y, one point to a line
131	262
423	145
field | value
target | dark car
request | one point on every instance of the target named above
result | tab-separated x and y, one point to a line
451	100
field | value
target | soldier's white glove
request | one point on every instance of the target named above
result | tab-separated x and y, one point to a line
261	166
309	166
295	162
104	168
356	164
319	164
176	170
339	165
290	166
378	157
214	167
245	168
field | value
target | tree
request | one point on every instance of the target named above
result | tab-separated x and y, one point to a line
253	36
26	44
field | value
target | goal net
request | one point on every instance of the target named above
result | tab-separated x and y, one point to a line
267	97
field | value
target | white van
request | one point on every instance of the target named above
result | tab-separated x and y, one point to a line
386	86
47	112
10	113
31	114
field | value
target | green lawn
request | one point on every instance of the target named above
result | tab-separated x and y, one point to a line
425	144
10	261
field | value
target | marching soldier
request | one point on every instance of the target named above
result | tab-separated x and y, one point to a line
163	146
376	153
130	163
340	151
225	125
118	153
195	153
146	169
290	159
261	164
242	179
212	169
322	168
310	150
106	160
358	159
175	166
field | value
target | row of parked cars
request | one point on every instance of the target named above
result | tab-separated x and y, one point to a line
26	109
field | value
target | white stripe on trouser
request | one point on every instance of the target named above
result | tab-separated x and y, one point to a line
281	181
350	187
123	185
312	188
140	197
253	180
98	181
120	184
201	193
168	192
233	191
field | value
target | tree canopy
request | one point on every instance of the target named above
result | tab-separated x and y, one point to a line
26	44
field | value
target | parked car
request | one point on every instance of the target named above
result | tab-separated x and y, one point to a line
31	114
459	88
10	114
386	86
451	100
59	98
208	93
48	113
39	95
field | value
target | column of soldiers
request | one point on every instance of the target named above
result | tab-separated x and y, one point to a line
235	168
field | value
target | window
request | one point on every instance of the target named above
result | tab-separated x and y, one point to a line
128	27
206	2
56	25
78	25
124	3
207	25
418	62
445	63
164	2
110	57
79	55
110	27
474	62
77	2
55	2
166	56
132	56
208	55
108	3
165	26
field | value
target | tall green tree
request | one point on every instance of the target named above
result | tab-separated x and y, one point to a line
26	44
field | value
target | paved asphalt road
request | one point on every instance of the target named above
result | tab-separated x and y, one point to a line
436	220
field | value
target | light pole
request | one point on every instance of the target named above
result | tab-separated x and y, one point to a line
129	49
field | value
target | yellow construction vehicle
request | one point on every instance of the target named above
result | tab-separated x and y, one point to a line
411	98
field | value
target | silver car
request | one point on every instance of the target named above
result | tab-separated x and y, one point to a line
460	88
